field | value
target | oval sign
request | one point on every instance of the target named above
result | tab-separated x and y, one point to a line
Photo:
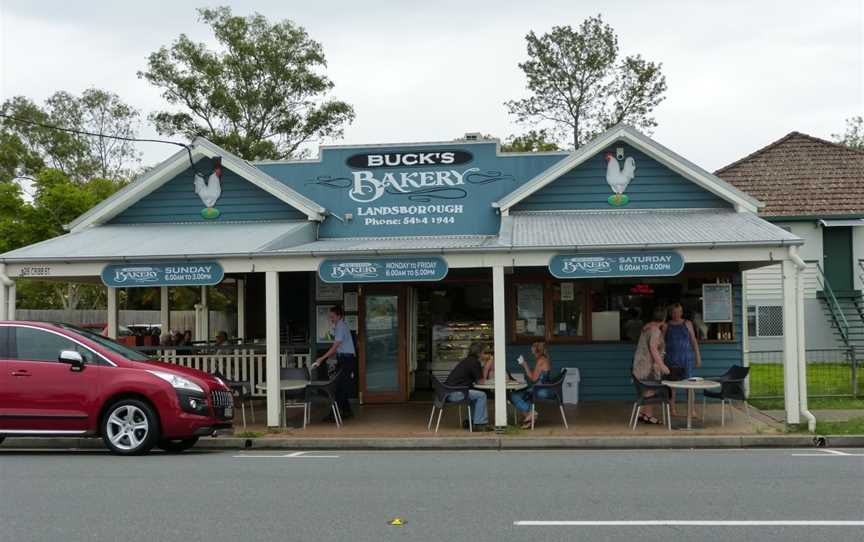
616	264
371	160
359	269
139	275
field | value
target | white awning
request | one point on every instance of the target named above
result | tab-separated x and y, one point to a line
139	241
835	223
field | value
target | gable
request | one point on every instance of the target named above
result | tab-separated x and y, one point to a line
654	186
176	201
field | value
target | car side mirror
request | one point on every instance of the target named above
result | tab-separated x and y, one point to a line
73	358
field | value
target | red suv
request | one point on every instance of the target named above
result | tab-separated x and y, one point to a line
59	380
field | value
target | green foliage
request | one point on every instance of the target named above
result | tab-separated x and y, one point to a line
579	87
854	136
260	96
533	141
26	149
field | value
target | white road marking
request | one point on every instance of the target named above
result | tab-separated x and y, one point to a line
692	523
825	452
292	455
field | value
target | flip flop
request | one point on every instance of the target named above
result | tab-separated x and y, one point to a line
644	418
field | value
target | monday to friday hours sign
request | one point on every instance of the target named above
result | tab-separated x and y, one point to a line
132	275
616	264
359	269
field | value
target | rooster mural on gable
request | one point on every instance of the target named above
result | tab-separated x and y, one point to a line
210	190
619	178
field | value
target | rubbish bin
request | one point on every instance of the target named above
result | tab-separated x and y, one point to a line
571	386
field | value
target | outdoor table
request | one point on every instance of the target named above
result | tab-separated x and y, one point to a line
691	386
511	385
287	385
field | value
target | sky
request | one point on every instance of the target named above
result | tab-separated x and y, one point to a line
740	74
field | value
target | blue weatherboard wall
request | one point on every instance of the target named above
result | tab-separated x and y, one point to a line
654	187
176	201
487	178
605	367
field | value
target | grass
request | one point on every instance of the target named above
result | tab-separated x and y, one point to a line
813	403
766	380
853	426
249	434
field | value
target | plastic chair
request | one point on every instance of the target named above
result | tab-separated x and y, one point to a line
661	397
557	388
730	390
295	398
442	398
328	389
735	372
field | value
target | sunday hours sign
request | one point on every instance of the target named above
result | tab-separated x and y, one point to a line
132	275
616	264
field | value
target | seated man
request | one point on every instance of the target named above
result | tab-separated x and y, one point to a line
468	372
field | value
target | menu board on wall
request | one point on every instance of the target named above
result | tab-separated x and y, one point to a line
325	291
717	303
323	328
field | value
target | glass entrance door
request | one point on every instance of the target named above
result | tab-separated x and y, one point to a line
382	360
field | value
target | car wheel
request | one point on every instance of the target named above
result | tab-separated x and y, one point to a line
130	427
175	446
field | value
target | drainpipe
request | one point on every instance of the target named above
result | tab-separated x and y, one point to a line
6	285
802	352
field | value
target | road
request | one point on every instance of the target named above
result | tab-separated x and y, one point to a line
472	496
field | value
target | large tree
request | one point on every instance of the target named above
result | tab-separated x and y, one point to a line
28	143
261	95
579	87
854	135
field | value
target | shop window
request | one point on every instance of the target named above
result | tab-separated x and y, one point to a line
765	321
530	321
568	310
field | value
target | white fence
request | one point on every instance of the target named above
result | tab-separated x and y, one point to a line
241	365
180	320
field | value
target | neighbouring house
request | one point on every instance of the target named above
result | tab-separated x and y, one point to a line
814	189
430	246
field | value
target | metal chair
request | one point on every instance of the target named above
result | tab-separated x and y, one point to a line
556	387
328	389
242	391
295	398
731	389
661	396
442	398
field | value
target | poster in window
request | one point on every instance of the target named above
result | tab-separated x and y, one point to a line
529	301
326	291
351	321
350	302
567	291
717	303
324	330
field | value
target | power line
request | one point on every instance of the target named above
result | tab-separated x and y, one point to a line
107	136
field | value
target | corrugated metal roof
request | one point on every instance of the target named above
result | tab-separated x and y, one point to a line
368	245
649	228
113	242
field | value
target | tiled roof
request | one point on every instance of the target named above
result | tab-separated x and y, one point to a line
641	229
801	175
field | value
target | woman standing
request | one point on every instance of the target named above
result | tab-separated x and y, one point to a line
648	364
522	399
682	348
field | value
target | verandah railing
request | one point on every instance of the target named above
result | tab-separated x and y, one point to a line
242	365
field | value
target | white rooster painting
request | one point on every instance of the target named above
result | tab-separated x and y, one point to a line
618	178
210	190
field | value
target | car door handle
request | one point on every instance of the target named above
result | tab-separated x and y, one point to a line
20	373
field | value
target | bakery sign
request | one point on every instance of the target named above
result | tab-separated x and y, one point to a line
139	275
426	268
616	264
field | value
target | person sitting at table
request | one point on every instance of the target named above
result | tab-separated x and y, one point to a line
648	364
539	374
682	348
468	372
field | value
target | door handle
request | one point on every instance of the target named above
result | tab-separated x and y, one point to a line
20	373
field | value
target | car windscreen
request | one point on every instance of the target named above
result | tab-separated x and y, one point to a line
117	348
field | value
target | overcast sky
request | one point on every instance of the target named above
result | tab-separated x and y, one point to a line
740	74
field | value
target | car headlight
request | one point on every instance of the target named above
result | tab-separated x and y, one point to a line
178	382
219	380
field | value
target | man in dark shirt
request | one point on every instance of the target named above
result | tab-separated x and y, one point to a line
466	373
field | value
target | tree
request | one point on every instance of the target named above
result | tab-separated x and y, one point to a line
533	141
578	86
854	136
260	97
27	148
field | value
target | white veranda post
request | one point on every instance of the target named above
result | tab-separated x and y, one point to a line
164	312
790	341
10	314
271	283
241	309
112	312
500	334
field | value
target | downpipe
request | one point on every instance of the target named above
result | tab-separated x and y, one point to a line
802	352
